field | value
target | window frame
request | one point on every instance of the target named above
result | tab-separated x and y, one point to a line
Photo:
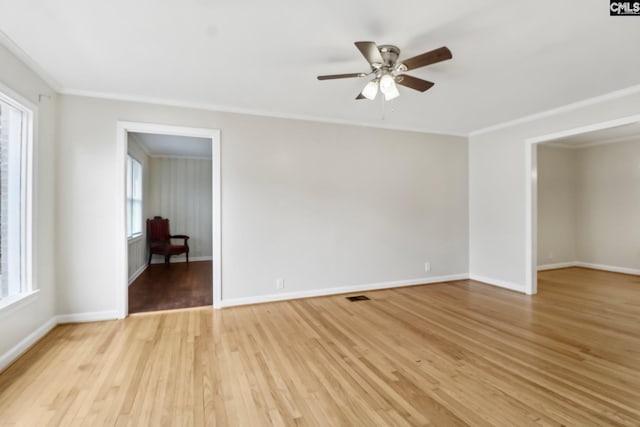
28	288
129	200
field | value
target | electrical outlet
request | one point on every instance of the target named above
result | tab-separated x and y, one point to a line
427	267
279	283
550	255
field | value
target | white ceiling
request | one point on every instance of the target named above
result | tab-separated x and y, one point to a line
510	58
174	146
621	133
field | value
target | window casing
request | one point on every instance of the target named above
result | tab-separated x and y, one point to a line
16	139
134	198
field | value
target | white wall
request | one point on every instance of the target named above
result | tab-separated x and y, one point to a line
589	205
137	251
180	189
557	204
319	205
18	323
498	184
608	227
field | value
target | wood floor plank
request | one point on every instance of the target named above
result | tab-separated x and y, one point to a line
172	286
452	354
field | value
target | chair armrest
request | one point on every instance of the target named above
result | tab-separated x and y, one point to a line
179	236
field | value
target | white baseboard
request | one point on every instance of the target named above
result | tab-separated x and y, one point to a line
499	283
557	265
138	272
17	350
340	290
603	267
95	316
175	259
611	268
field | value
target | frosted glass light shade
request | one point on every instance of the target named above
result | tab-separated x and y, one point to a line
386	83
391	93
370	90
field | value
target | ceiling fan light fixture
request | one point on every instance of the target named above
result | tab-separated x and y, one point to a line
391	93
388	87
371	90
387	83
389	72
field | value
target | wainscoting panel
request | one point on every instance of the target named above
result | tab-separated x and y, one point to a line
137	257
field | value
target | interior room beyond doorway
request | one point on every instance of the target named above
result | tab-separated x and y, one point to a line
169	177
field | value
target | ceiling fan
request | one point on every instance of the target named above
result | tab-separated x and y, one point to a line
388	71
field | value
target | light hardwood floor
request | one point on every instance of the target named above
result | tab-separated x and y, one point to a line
460	353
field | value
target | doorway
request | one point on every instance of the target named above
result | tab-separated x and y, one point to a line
132	248
532	187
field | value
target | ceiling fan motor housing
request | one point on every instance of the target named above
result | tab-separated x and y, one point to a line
389	55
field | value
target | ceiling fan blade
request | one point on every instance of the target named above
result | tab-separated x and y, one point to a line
370	52
428	58
414	82
360	96
341	76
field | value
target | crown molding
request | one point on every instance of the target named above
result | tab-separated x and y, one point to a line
551	143
140	142
178	157
23	56
248	111
611	141
554	111
559	145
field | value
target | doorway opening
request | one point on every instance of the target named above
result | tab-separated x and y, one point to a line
615	130
173	173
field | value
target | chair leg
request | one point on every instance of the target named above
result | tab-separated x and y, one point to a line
187	257
166	259
150	255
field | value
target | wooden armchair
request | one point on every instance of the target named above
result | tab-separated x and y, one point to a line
159	239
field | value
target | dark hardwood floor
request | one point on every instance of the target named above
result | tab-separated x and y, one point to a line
172	286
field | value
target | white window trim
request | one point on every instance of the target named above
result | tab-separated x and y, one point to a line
28	200
15	302
138	236
135	238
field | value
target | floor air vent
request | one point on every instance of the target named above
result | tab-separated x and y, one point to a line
358	298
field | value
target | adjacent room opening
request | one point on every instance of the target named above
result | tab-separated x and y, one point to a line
584	199
588	200
169	214
171	221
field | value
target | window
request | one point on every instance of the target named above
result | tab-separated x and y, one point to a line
134	198
16	130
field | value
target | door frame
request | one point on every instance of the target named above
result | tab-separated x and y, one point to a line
123	129
531	191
